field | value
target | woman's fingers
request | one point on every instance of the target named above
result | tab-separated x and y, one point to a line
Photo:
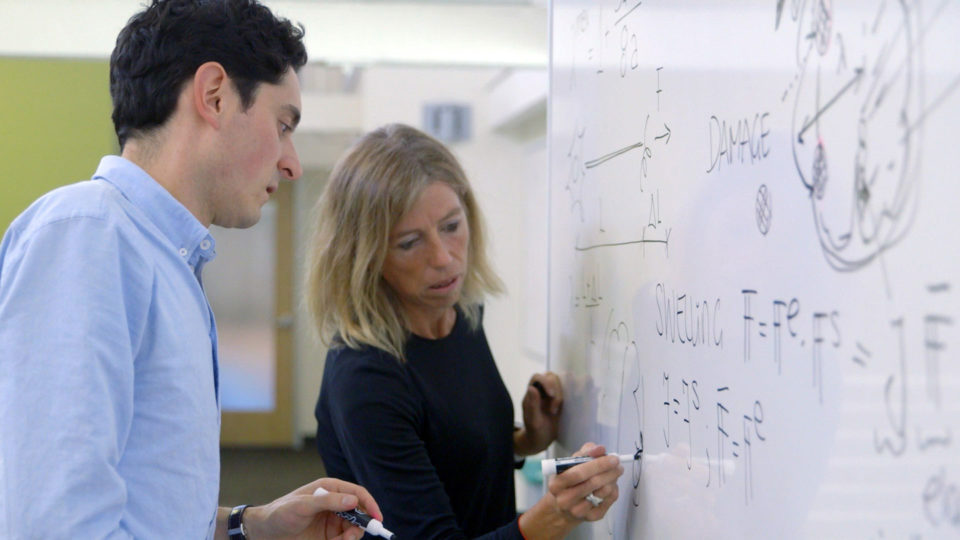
590	449
596	514
585	471
551	389
573	494
587	491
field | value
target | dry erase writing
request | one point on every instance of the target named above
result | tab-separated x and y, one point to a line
361	519
558	465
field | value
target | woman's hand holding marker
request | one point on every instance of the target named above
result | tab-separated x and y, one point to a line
582	493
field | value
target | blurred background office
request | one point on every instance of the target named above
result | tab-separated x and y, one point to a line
471	72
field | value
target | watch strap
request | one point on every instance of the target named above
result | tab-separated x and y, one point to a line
235	530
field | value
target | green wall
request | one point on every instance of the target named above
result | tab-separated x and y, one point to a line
54	127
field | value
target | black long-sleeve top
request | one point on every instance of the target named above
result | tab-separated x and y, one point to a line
431	438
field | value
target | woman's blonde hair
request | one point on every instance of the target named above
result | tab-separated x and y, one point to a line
371	187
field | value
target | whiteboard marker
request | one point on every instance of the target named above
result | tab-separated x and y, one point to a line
361	519
557	466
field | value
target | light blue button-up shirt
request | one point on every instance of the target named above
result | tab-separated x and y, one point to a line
109	408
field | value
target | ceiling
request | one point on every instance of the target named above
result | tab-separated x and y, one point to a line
510	33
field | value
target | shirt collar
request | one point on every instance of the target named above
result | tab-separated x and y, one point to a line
191	239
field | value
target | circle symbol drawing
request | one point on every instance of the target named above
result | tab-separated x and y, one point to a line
764	209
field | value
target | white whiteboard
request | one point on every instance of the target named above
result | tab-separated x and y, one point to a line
754	262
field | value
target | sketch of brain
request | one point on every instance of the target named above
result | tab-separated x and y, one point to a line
856	124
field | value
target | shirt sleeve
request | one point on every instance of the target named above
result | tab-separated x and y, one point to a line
376	419
66	380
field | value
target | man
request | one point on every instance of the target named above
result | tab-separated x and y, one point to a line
109	398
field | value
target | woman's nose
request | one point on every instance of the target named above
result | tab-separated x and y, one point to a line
439	254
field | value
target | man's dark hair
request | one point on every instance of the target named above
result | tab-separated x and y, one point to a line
161	48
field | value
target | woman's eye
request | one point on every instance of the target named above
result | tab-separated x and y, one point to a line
407	244
452	226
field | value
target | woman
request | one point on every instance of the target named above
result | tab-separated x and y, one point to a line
412	406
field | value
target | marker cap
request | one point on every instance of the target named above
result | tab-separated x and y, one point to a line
548	467
377	529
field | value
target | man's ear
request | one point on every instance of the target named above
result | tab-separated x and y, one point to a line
210	87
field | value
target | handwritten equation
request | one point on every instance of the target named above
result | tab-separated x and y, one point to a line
753	263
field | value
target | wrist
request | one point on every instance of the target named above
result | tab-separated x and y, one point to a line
545	521
253	523
528	443
522	444
248	522
235	523
520	527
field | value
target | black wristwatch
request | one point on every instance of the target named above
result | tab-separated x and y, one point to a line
235	530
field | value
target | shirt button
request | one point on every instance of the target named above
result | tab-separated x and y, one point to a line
205	245
183	252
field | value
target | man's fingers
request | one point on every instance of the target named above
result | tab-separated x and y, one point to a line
336	502
351	495
332	526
